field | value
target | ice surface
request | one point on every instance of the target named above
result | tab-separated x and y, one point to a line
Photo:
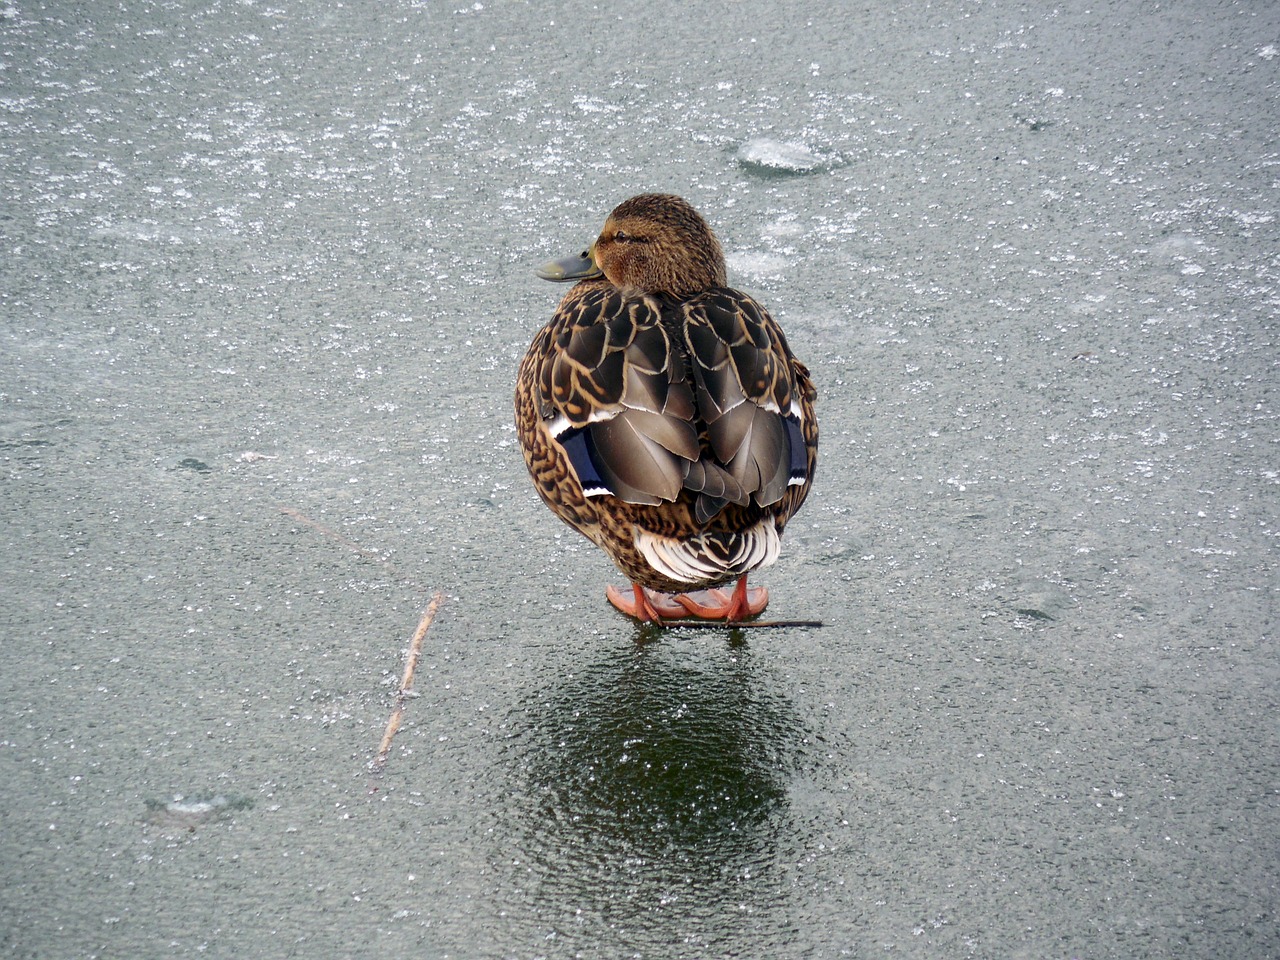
267	273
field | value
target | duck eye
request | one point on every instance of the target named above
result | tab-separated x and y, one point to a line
621	237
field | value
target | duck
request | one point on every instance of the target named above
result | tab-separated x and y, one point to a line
662	415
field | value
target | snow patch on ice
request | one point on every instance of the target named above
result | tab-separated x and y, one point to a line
755	263
780	156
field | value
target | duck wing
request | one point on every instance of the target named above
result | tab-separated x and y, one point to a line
747	394
616	396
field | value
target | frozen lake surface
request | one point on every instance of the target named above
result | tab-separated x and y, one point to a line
267	273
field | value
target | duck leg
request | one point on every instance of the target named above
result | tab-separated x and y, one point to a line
715	604
647	606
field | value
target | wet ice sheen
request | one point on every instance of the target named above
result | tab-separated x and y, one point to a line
266	276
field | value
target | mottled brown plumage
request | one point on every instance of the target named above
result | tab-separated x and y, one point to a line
663	415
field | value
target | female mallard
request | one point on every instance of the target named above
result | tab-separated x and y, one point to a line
663	416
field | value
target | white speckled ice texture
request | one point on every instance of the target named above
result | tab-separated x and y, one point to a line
267	271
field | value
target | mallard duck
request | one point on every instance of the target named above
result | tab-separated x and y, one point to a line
663	415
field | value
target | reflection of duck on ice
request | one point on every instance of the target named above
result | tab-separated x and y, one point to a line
649	769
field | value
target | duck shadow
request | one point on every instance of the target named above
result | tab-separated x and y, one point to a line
653	777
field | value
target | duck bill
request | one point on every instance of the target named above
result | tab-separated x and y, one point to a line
582	266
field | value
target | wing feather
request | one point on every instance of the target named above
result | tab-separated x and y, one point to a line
614	387
745	381
616	393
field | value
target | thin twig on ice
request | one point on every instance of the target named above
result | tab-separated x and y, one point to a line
406	682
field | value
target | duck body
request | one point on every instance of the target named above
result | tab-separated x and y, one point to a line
663	415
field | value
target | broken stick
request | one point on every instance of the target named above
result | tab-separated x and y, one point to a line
406	682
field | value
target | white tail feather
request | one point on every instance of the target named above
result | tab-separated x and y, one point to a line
711	558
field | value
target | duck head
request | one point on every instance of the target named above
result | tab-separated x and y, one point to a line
654	243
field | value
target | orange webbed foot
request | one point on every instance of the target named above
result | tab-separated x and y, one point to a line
654	606
647	606
716	604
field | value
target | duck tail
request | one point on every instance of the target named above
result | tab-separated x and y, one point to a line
712	556
715	487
